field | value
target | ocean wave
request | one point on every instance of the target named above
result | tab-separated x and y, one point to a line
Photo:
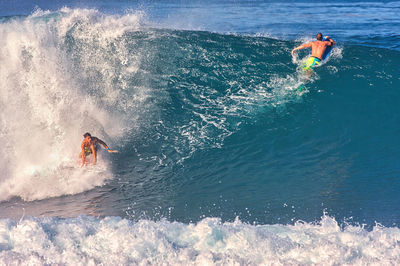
163	96
112	240
61	76
77	70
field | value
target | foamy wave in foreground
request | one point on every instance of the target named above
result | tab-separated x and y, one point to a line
115	241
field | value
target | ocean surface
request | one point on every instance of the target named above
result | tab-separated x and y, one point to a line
221	161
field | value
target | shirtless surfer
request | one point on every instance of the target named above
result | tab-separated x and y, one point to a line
318	49
89	146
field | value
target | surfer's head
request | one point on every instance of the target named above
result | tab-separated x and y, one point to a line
319	36
87	135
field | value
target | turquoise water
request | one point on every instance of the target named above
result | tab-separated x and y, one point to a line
217	149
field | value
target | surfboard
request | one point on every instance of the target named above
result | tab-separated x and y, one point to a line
327	52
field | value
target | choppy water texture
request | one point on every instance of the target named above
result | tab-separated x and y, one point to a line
218	150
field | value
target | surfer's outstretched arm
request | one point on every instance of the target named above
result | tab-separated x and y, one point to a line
106	146
102	143
303	46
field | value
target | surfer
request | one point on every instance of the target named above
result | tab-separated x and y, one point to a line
319	47
89	146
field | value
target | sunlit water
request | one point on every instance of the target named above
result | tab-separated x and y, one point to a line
221	159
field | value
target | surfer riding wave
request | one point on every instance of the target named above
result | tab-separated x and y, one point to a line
89	146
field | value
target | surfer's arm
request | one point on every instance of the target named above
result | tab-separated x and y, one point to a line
106	147
102	143
330	40
303	46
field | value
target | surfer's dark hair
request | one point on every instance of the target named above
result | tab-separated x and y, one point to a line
319	36
87	134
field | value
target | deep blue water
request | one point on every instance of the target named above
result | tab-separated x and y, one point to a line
214	139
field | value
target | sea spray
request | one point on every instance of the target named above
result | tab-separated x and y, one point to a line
61	75
112	240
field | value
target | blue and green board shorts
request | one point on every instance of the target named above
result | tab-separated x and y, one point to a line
311	62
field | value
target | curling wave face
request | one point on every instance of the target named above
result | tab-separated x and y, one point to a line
78	70
61	76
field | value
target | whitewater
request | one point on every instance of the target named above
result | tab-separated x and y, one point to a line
116	241
222	161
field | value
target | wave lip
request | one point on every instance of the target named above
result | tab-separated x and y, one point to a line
112	240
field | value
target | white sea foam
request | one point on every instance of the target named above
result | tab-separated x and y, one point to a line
57	81
116	241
